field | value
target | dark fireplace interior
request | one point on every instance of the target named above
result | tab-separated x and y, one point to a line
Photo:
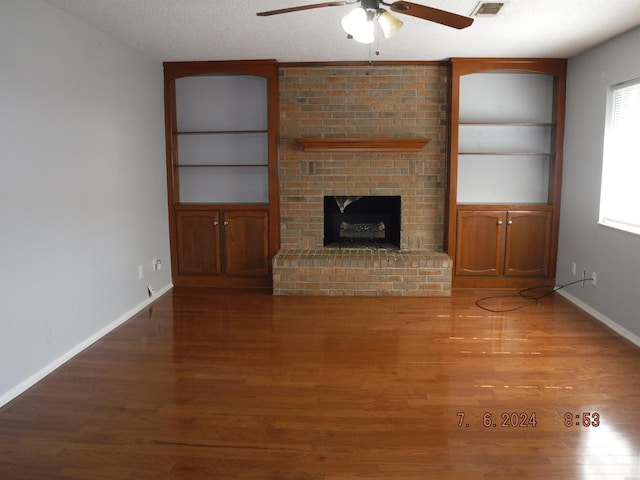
362	222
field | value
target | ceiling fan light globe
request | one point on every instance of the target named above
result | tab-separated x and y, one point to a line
359	25
389	24
352	22
366	34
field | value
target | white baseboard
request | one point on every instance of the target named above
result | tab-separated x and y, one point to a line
620	330
43	372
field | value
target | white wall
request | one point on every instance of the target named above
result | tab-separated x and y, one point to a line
82	187
614	255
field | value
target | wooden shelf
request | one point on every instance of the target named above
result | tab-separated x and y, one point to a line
363	144
510	154
223	165
506	124
221	132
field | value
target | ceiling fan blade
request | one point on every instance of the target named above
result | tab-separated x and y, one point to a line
432	14
303	7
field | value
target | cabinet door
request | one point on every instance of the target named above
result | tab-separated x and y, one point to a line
528	243
480	243
246	243
198	245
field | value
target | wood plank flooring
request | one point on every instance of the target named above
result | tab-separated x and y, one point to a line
225	384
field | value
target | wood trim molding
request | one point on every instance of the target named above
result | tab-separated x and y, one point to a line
364	63
363	144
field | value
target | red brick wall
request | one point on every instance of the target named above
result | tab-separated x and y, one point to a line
384	101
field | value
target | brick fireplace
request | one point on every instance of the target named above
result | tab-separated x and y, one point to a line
362	102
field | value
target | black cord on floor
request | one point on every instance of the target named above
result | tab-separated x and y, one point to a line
527	293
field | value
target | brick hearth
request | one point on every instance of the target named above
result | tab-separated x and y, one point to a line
362	102
361	272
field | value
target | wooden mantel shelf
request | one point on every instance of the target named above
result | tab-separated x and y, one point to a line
363	144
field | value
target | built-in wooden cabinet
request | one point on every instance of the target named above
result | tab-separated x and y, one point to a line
495	243
505	168
222	151
212	242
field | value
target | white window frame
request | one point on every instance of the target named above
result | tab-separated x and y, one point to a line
620	189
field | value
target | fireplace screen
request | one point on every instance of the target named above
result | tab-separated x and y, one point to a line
362	222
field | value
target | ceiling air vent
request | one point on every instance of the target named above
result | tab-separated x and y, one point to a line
487	9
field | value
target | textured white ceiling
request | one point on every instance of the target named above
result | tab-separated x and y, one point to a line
174	30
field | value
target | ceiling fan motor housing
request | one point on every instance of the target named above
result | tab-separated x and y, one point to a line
370	5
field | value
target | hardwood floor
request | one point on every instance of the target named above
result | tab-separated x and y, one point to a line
223	384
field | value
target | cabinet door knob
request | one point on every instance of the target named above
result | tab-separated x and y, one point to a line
226	223
215	222
509	222
499	222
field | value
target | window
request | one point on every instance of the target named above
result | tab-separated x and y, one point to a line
620	195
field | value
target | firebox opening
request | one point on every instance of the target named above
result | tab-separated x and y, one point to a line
362	221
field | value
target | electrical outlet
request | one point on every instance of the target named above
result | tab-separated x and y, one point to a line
594	277
574	269
157	264
140	272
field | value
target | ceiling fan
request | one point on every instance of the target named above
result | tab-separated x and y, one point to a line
359	24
